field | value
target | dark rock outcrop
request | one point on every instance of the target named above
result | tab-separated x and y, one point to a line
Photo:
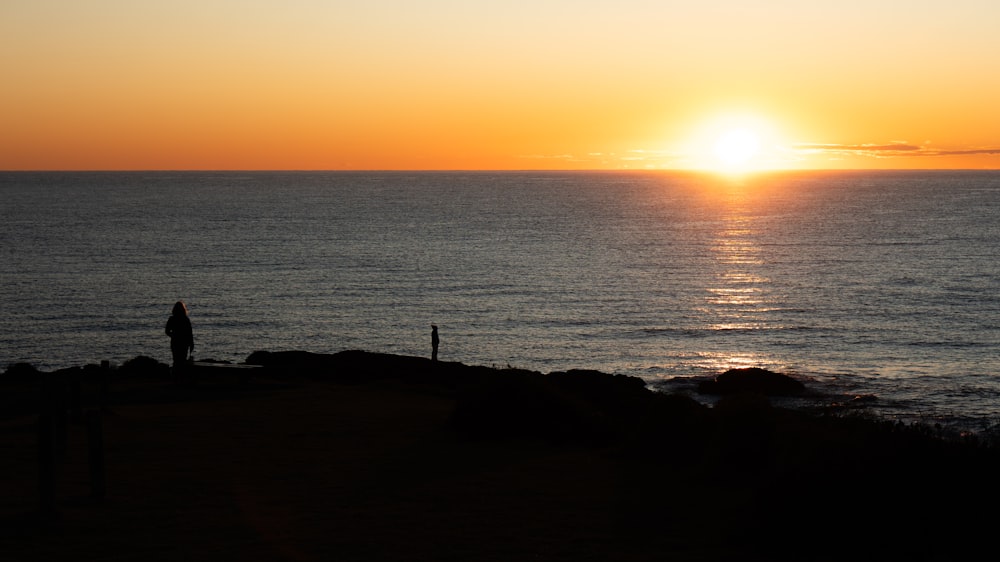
143	366
755	380
355	366
21	372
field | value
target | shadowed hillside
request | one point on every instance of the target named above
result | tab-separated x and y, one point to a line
364	456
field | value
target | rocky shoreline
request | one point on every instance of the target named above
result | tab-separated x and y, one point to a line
367	456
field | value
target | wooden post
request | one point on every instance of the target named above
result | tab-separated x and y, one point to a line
55	404
95	456
75	397
47	464
105	382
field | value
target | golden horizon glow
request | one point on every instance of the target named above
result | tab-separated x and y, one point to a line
629	84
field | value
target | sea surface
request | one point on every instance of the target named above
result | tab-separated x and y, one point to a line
877	284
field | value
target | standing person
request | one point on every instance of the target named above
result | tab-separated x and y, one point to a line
181	335
434	342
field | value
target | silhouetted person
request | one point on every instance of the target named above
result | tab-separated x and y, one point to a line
181	335
434	343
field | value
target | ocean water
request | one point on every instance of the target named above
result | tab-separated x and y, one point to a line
859	283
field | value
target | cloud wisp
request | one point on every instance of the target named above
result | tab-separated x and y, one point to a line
890	150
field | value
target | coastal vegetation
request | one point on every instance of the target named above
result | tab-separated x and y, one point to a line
364	456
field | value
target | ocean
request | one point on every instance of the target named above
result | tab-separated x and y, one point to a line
883	284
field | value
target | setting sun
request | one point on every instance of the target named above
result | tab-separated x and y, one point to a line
734	142
736	148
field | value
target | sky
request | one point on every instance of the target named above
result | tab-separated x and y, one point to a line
518	84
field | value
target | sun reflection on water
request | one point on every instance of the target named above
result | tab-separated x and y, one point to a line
718	362
737	296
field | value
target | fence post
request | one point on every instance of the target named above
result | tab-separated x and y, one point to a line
95	456
105	382
47	464
75	396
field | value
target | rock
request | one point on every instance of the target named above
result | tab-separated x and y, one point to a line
21	371
596	386
753	379
355	366
143	366
526	404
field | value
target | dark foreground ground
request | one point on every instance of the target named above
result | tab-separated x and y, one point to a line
360	456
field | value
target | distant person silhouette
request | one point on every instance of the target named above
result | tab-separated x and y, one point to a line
181	335
434	342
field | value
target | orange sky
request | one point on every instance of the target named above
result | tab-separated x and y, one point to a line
519	84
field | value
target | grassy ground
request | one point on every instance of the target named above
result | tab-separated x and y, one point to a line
393	468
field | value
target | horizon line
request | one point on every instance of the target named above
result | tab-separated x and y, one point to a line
491	170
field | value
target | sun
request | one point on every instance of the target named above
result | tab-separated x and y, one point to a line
735	149
734	143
